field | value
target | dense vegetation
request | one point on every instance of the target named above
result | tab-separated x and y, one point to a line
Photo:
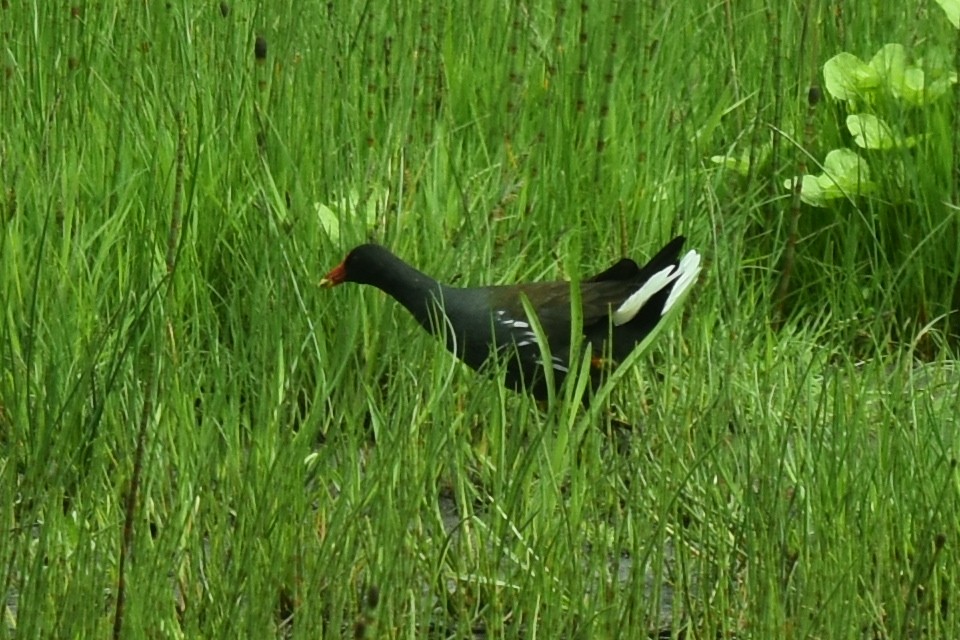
197	441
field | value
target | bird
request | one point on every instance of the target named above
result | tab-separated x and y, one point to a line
619	308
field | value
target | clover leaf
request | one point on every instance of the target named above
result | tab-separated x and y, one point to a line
847	77
952	9
844	174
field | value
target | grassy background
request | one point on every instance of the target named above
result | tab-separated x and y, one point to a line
307	463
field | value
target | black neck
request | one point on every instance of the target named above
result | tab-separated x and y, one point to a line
415	290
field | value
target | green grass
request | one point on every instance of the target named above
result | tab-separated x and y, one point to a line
308	463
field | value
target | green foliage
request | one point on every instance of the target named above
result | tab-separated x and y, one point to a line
878	159
175	178
352	210
870	132
952	9
877	86
845	174
846	77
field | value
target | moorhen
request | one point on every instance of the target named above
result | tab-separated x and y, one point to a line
619	308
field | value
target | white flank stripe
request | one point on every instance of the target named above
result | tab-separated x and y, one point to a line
556	363
510	322
685	274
